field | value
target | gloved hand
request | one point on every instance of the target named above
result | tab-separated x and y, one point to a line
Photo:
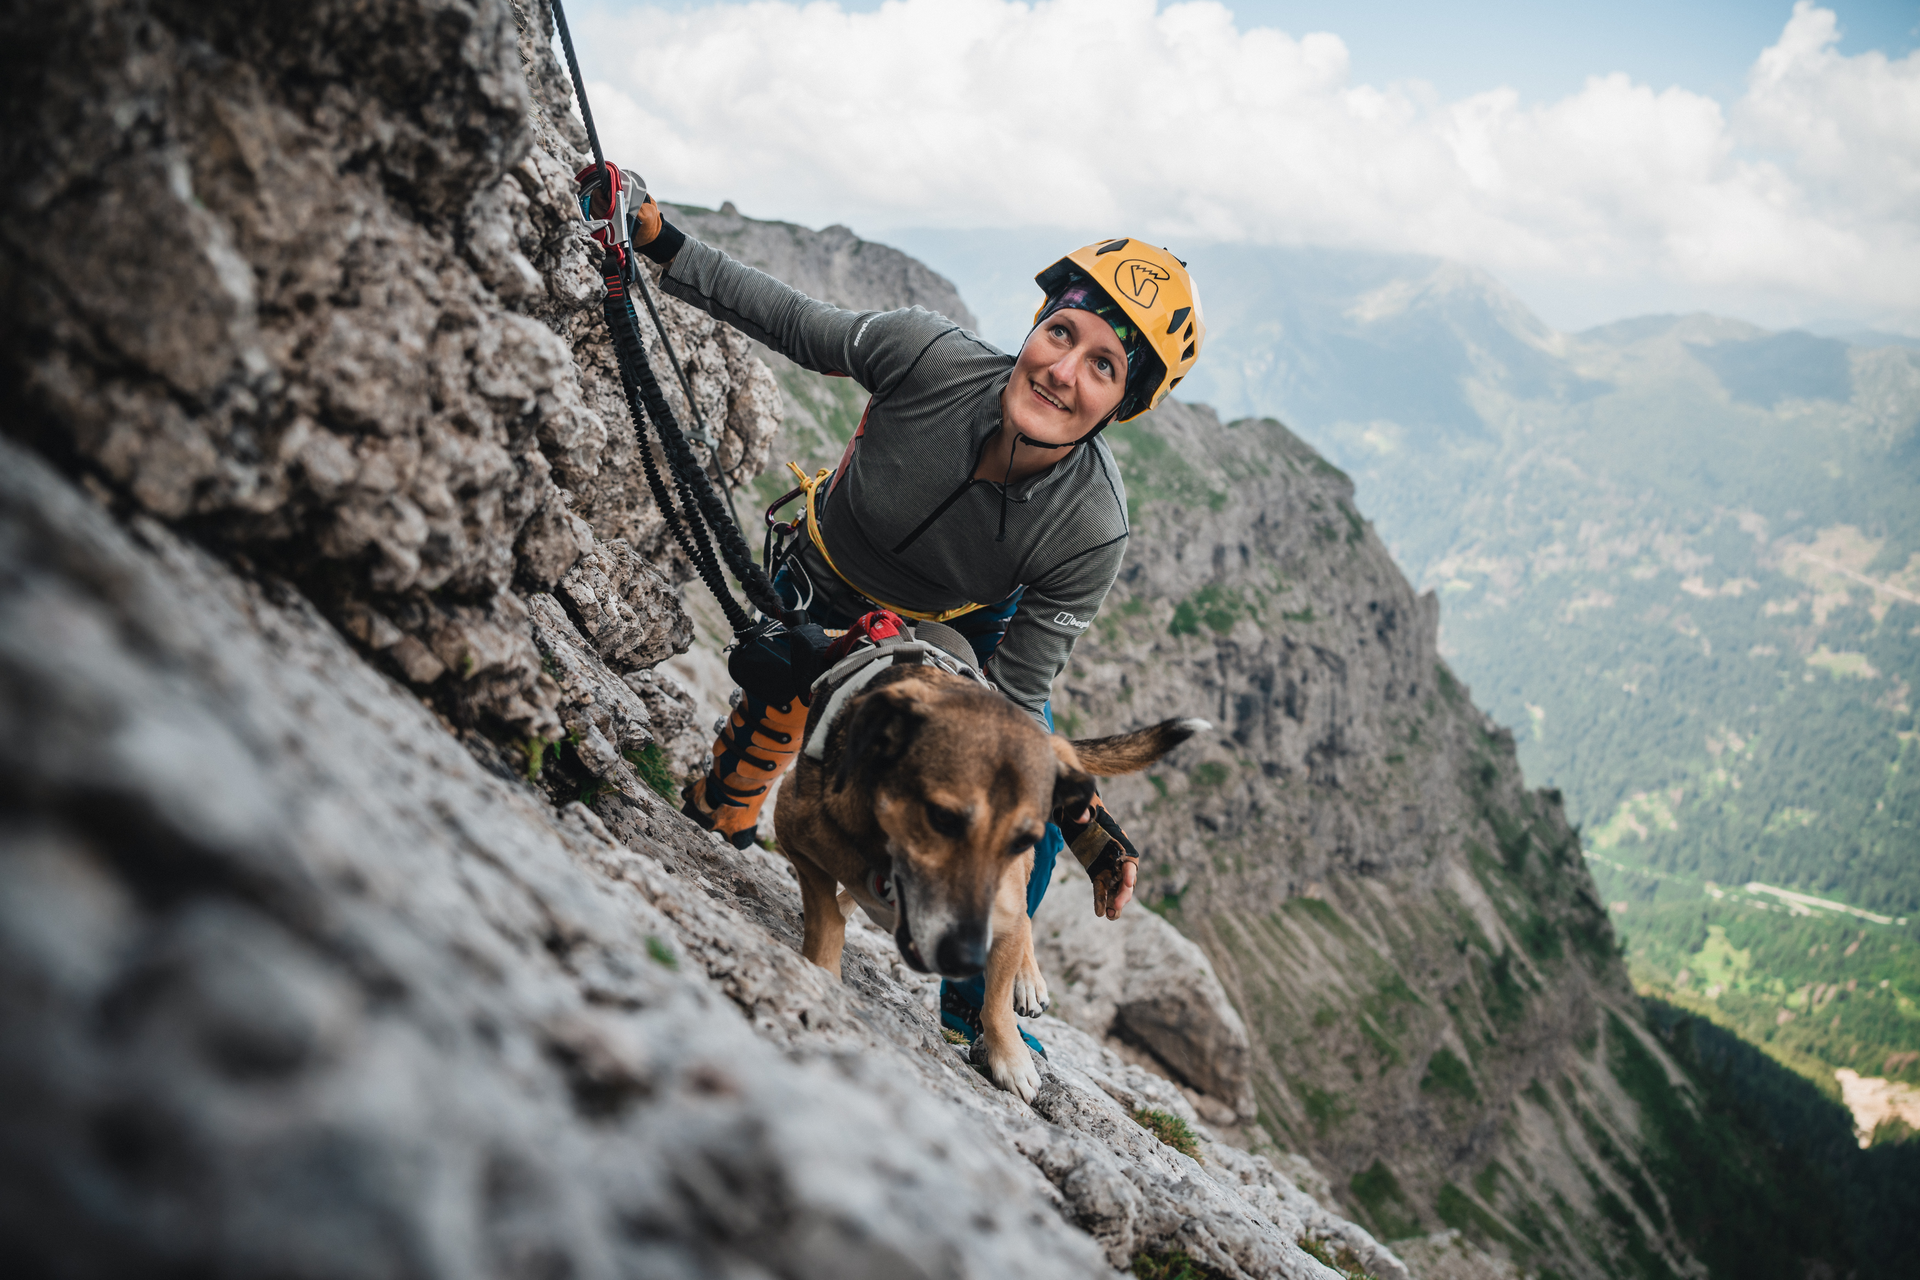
1112	862
646	223
604	195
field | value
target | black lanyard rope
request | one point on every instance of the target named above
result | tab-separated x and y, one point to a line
701	516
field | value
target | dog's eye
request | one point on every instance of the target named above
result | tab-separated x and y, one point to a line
1021	844
946	821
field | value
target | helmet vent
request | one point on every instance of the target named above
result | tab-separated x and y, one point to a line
1178	317
1112	246
1187	334
1188	353
1175	382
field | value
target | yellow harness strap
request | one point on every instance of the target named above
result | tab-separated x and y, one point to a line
820	545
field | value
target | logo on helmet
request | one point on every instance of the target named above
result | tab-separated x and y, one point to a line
1140	280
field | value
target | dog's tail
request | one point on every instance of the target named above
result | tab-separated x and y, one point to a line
1132	752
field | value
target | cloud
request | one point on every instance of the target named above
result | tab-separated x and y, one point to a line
1175	124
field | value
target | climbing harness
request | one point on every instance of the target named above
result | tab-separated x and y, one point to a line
810	520
775	656
876	641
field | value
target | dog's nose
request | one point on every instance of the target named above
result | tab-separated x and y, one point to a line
963	951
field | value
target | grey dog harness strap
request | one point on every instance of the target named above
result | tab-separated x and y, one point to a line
855	671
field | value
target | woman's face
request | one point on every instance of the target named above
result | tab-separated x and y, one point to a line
1070	374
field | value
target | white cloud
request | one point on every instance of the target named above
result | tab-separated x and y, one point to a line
1172	123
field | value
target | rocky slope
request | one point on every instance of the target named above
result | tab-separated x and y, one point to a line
293	984
1436	1011
327	596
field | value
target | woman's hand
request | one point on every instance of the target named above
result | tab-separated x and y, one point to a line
1113	889
646	223
1112	863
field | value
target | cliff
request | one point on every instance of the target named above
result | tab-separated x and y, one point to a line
1429	982
1436	1010
343	933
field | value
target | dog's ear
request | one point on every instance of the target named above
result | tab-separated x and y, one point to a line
879	731
1073	787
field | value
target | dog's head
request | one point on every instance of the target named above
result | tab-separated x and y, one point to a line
963	783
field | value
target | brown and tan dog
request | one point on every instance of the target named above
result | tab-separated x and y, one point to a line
927	805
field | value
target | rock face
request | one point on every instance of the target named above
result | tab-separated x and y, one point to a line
1435	1008
1139	982
314	282
293	985
327	596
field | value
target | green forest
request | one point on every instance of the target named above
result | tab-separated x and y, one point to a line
1718	738
1814	992
1796	1194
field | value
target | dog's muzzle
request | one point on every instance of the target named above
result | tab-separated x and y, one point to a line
957	948
963	949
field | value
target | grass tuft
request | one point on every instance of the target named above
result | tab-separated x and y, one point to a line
535	749
1170	1129
1335	1255
650	762
1170	1265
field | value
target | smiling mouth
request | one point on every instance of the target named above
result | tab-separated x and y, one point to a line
1049	399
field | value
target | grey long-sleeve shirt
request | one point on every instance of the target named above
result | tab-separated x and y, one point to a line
906	521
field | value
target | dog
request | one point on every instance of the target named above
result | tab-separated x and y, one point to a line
931	794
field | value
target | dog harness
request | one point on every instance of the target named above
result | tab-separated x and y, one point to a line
876	641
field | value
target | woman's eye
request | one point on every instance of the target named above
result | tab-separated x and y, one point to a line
946	821
1104	365
1058	331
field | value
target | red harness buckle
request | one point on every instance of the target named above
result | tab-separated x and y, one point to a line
869	628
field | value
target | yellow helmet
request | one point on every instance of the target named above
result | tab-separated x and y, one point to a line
1151	287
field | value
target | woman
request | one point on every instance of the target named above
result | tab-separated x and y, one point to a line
975	492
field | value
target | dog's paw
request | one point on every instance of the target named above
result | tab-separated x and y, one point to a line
1015	1071
1030	998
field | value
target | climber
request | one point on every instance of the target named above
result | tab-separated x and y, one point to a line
975	492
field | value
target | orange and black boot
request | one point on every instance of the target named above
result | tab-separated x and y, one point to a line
756	743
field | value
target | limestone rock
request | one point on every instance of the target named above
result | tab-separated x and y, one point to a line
293	984
626	608
315	280
1137	980
1448	1255
683	735
603	716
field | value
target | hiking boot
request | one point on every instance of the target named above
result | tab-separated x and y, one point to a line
757	742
